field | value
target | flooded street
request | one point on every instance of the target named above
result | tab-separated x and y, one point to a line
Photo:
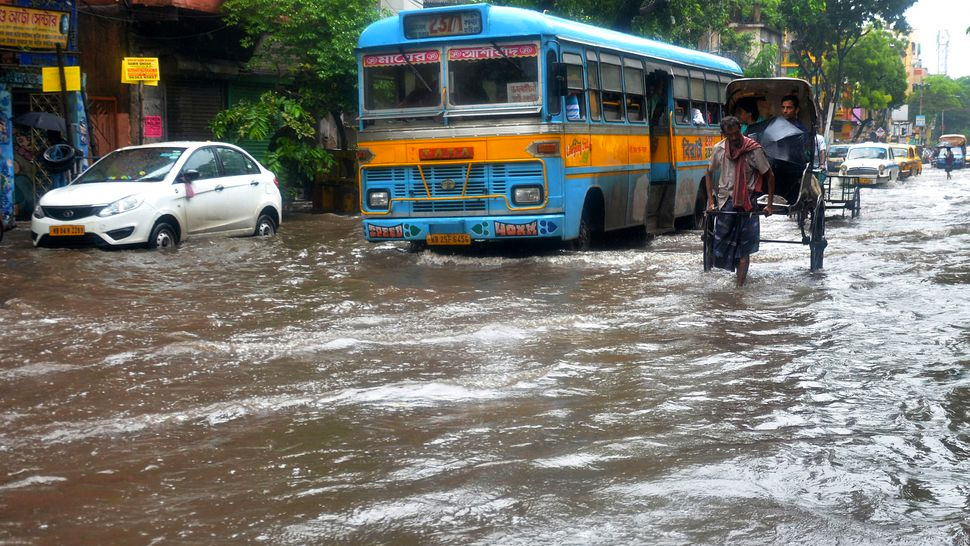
316	389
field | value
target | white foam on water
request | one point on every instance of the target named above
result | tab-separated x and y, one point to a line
33	481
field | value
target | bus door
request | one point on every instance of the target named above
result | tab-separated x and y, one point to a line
663	172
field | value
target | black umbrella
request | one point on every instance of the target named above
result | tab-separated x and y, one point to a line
41	120
784	144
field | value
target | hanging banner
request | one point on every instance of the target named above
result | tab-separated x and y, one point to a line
33	28
52	78
6	157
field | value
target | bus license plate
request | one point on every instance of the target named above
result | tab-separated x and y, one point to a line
65	231
449	239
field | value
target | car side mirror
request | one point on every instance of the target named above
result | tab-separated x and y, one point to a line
190	175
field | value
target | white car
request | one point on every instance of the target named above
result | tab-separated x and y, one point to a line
872	162
160	194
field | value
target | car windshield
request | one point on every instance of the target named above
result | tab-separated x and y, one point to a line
866	153
838	151
132	165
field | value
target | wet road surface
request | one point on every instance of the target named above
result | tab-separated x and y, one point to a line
316	389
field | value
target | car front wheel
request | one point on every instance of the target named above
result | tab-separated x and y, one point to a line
265	226
163	236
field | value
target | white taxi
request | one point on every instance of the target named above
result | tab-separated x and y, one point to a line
160	194
872	162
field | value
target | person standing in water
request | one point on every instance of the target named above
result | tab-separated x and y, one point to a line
745	171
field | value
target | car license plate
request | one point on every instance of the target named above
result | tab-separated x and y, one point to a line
449	239
66	231
866	180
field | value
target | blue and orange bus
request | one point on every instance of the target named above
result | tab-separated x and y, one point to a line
482	122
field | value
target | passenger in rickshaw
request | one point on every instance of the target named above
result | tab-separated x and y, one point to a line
752	122
790	109
744	171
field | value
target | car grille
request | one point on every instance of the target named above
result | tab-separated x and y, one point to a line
446	182
71	213
862	171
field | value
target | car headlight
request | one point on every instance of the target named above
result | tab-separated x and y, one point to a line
882	170
527	195
39	212
843	169
378	199
122	205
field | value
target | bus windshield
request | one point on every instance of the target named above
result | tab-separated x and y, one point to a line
493	74
402	80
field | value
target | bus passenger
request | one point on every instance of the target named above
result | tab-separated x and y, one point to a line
744	170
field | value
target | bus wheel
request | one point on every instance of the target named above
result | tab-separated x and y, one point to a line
585	238
415	247
696	219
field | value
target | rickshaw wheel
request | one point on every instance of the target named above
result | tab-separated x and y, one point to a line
817	243
708	237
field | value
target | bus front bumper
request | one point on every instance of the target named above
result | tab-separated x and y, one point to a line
457	231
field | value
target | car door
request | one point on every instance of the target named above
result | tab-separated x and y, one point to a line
243	187
203	208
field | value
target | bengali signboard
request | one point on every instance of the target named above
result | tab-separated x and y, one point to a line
487	52
398	59
33	28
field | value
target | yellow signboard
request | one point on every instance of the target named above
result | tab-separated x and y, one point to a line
52	78
140	69
33	28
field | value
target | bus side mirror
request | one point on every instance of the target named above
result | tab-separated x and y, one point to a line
558	78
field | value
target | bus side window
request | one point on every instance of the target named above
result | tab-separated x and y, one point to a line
593	84
555	103
635	104
576	98
612	91
712	91
681	100
698	108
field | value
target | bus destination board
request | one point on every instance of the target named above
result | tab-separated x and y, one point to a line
433	25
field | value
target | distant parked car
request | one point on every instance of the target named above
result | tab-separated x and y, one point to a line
872	162
835	156
160	194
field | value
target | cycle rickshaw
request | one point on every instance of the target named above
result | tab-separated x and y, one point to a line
790	151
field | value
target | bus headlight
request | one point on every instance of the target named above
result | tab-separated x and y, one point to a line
527	195
378	199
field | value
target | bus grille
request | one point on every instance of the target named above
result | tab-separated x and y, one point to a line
446	182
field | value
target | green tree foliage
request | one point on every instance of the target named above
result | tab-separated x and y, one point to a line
310	44
764	63
945	102
875	70
294	157
826	31
682	22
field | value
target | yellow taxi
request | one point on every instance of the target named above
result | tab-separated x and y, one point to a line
910	163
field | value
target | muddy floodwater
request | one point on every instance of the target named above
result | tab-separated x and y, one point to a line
316	389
